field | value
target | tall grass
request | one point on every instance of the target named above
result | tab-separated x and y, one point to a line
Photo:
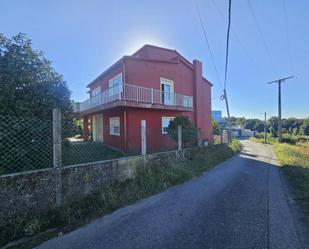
158	175
295	162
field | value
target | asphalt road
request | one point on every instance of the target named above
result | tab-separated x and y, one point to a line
239	204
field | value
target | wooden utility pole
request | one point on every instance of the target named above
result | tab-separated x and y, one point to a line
279	81
265	127
229	136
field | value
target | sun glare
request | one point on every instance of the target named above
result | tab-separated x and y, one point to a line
135	44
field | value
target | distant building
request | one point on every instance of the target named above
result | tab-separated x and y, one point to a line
217	115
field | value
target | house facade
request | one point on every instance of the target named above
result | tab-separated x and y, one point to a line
146	89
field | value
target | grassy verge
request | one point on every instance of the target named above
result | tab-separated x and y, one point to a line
293	156
157	176
295	164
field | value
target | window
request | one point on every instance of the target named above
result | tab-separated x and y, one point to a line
167	89
165	123
114	126
96	91
115	85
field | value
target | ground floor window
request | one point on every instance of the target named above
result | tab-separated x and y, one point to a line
114	126
165	123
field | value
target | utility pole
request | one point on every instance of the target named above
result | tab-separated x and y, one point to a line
229	135
279	81
225	74
265	125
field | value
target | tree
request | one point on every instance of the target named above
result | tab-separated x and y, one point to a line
251	123
273	125
259	126
189	133
240	121
29	87
304	129
215	127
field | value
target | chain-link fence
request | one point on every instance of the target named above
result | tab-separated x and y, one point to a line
28	143
221	138
25	144
76	150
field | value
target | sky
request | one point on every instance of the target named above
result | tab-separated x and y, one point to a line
82	38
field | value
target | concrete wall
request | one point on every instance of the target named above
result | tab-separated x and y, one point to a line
33	192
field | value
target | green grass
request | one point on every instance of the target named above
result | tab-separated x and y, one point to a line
295	164
260	138
293	156
75	153
286	138
158	175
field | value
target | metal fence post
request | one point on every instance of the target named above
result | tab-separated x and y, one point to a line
143	137
199	137
57	154
179	137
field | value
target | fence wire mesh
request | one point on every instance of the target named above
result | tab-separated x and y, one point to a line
75	150
25	144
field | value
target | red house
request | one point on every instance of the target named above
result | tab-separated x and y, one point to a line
147	88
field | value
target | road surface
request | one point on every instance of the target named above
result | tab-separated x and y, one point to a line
239	204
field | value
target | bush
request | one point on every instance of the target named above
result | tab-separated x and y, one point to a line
189	133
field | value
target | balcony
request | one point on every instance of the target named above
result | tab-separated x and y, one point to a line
136	96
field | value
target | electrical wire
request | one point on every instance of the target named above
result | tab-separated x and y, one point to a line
227	44
287	37
207	42
261	35
237	37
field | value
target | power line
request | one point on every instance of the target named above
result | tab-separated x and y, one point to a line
207	42
227	44
287	37
236	36
262	35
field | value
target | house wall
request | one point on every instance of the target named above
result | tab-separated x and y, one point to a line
117	142
156	141
202	103
103	82
148	74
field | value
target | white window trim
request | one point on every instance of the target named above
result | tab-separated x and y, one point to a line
112	88
111	131
169	81
165	117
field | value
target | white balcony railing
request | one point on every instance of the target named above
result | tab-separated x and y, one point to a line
139	94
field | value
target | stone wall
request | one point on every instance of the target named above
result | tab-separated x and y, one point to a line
33	192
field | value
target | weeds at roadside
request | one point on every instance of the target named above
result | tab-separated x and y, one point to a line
157	176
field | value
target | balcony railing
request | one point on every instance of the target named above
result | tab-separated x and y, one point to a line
128	92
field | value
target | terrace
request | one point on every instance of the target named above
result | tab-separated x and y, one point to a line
136	96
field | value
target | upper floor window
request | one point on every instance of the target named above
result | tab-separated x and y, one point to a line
115	85
167	90
96	91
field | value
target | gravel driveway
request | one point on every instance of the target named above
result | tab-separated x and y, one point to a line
239	204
